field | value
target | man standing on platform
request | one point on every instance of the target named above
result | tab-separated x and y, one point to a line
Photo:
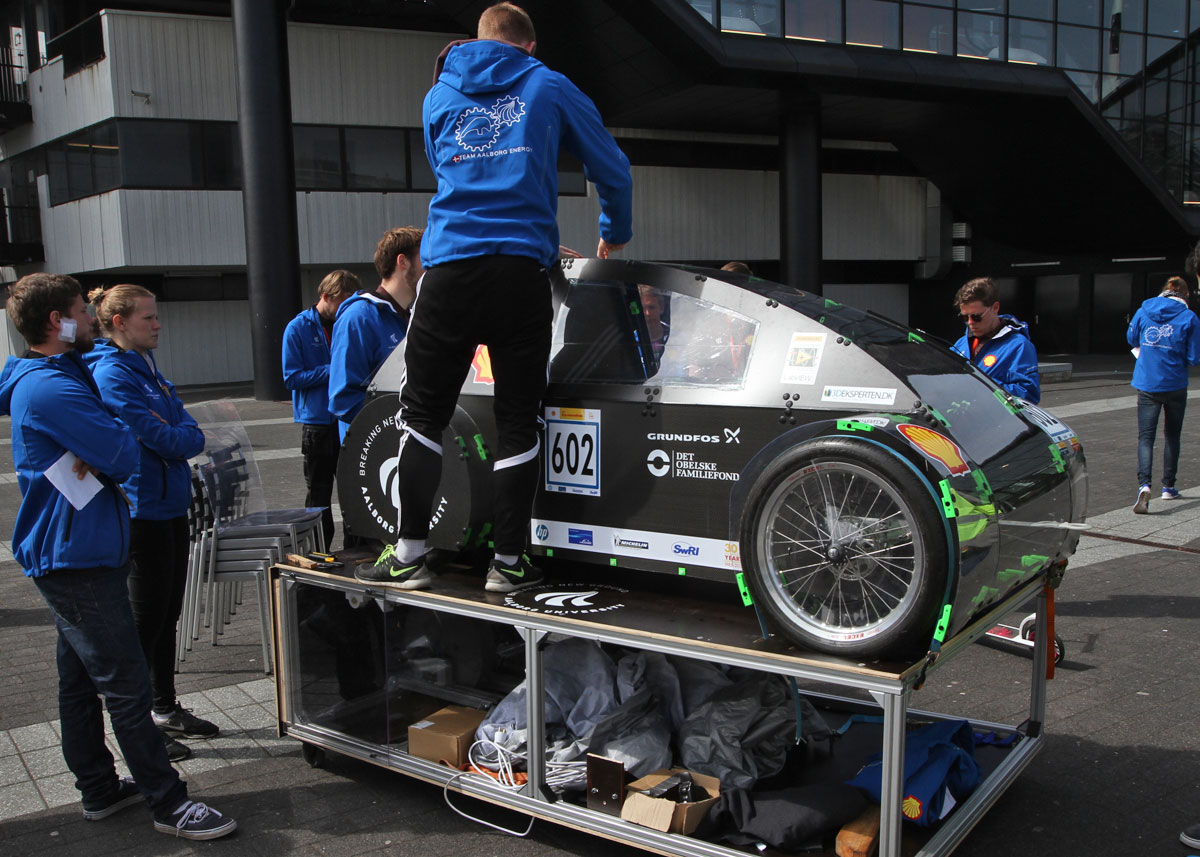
495	122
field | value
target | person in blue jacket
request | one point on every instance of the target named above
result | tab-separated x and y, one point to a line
159	491
369	325
997	344
1165	336
306	354
74	545
495	122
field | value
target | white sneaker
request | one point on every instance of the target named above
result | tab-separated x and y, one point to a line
1142	506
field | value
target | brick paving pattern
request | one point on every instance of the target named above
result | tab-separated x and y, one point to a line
1120	772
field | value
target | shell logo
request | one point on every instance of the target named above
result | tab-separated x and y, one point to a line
989	361
912	807
482	364
938	447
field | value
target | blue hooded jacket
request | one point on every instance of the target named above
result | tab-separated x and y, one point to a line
1165	332
306	368
1008	358
161	487
367	329
55	407
495	121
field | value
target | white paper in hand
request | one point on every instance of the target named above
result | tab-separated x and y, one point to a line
62	475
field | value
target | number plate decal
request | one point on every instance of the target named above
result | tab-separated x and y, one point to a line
573	451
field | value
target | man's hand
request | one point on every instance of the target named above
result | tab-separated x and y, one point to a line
565	252
81	469
605	248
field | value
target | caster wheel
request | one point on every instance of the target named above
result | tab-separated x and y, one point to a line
1029	629
315	756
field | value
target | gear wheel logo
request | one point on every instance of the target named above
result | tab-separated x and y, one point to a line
478	128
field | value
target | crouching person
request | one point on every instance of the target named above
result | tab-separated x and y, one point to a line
72	539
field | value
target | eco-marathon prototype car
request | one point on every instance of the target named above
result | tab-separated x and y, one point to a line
861	482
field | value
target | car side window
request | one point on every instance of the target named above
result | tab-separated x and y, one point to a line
600	336
614	332
705	345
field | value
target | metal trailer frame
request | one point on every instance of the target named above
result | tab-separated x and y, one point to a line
890	690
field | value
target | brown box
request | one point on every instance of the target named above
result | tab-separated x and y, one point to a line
446	735
663	814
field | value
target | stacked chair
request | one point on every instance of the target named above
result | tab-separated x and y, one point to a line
235	538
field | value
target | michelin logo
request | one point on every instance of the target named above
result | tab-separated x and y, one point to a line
631	543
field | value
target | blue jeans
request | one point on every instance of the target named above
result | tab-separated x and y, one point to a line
1172	404
99	653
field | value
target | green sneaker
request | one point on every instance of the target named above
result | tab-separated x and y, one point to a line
388	571
505	578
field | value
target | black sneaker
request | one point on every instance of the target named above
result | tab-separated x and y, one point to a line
388	571
507	578
126	794
176	751
183	722
1191	836
194	820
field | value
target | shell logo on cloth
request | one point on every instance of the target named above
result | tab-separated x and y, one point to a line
482	364
935	446
989	361
912	807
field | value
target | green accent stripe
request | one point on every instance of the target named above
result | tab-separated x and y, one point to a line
948	508
682	570
915	337
747	598
612	560
943	625
480	448
854	425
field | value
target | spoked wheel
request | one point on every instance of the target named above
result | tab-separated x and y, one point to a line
846	549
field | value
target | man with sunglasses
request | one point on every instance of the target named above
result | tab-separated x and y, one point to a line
998	344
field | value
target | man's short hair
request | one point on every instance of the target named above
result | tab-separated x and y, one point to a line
33	297
981	289
506	22
736	267
341	284
404	239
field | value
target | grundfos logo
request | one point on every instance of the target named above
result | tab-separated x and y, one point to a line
684	438
568	599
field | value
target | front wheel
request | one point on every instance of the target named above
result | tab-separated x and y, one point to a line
845	548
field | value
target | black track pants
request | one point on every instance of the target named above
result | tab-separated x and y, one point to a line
502	302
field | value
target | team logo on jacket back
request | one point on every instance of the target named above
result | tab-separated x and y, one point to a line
478	128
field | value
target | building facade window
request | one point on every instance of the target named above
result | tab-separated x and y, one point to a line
152	154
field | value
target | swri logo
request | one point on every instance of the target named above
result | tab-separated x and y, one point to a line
684	549
542	532
631	543
579	537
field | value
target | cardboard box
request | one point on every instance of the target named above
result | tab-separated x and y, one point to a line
663	814
446	735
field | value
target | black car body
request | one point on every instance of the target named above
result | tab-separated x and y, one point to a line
858	482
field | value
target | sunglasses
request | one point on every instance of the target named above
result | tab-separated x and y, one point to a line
972	316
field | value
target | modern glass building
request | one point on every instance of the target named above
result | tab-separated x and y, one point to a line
878	151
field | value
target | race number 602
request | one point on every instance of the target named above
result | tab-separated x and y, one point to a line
573	452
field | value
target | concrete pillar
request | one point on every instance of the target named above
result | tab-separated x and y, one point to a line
268	184
800	192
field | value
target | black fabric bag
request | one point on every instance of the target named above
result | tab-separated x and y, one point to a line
788	819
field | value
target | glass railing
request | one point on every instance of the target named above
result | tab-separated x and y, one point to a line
1133	59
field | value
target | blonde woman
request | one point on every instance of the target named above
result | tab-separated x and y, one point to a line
159	491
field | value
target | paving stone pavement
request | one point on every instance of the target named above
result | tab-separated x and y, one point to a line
1119	775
